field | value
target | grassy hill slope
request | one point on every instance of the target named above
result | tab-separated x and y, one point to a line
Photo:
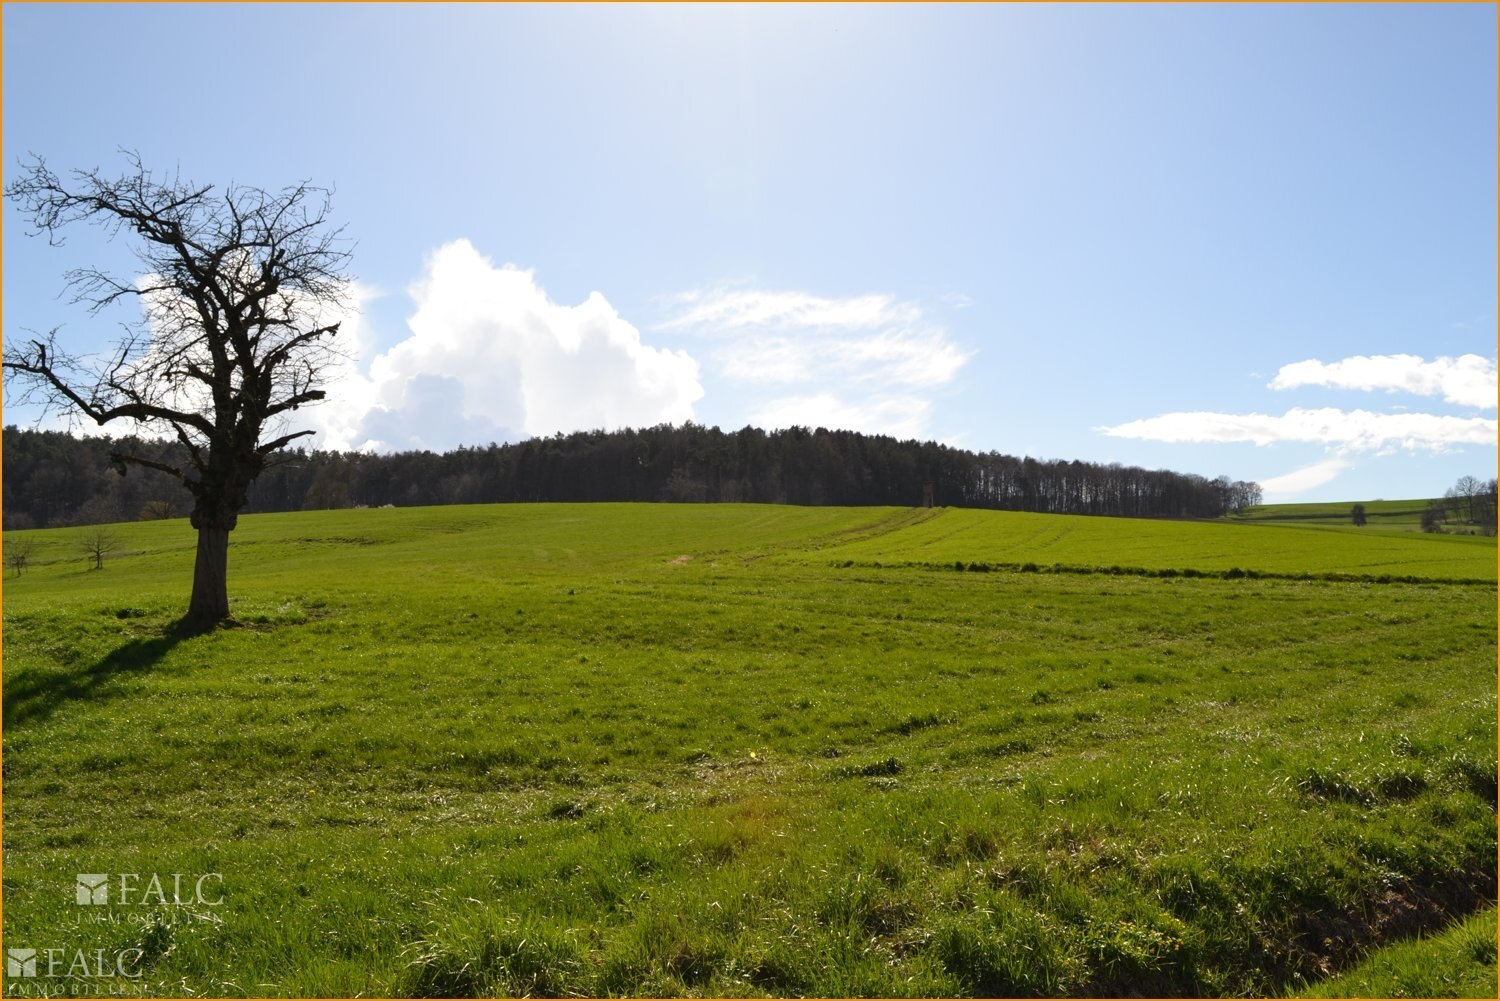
667	750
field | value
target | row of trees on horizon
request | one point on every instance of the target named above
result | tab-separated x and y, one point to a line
1470	505
56	479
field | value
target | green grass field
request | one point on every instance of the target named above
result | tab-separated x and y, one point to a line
1078	542
1405	515
744	750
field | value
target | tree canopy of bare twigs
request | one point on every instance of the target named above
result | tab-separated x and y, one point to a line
97	542
18	553
237	289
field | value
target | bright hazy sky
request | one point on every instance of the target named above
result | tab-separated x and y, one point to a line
1250	240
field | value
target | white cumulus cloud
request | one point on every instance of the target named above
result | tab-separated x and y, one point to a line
1356	430
1468	380
866	363
491	357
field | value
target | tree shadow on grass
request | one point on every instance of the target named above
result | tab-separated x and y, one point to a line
34	696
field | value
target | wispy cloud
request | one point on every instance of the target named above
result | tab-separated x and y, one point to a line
733	309
1301	480
863	362
898	416
912	358
1468	380
1356	430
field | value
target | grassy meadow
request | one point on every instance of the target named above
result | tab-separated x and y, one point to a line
662	750
1392	515
1013	540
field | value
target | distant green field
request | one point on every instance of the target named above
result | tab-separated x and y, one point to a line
1397	516
1078	541
663	750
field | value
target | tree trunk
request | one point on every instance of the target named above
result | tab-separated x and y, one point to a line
210	604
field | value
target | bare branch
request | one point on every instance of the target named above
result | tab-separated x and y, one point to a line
121	459
280	443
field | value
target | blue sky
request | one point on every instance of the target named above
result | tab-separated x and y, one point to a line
1243	239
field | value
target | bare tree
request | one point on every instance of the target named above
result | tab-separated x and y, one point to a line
1433	516
18	553
97	543
1486	508
233	335
1465	493
157	510
101	510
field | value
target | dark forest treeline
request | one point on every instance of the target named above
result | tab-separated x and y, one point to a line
52	478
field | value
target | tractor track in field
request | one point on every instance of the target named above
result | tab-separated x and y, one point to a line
888	525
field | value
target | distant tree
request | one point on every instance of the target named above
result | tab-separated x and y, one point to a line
230	341
1358	514
97	543
326	493
98	510
1472	501
684	488
18	553
1434	515
157	510
1487	506
1465	493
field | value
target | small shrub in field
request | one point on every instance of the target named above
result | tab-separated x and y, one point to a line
875	769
